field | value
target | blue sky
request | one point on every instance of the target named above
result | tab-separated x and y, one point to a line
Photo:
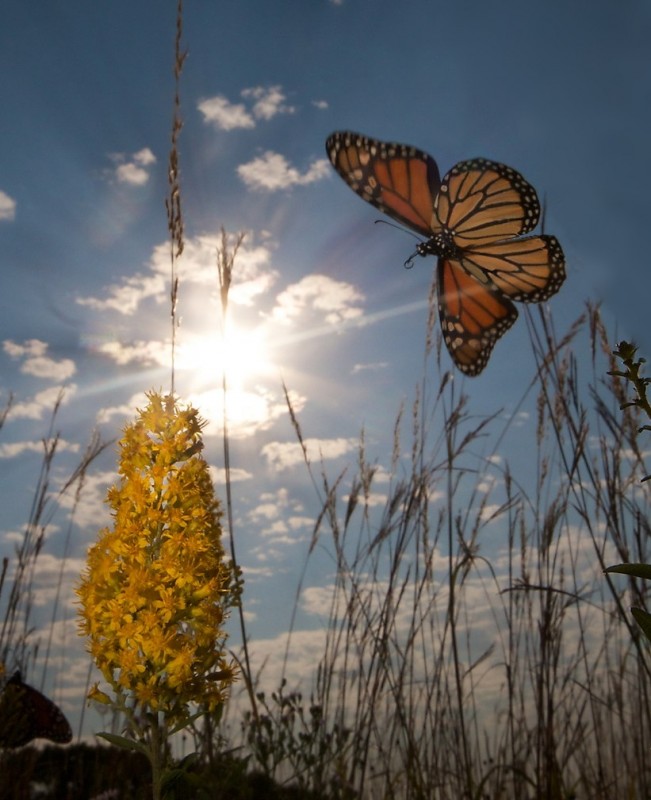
560	91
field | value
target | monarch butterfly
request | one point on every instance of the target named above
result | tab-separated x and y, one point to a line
26	714
473	220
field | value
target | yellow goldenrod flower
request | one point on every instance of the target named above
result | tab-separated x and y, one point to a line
156	589
97	695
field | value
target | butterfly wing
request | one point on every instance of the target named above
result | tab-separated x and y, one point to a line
473	314
483	207
482	201
530	269
399	180
26	714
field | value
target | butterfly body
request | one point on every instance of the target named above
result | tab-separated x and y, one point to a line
473	221
441	245
26	714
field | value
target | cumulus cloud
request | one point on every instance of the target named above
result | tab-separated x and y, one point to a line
272	171
280	520
373	366
281	455
42	402
127	296
13	449
137	400
7	207
236	474
336	300
133	169
269	101
265	102
249	410
91	510
224	115
252	278
139	352
37	363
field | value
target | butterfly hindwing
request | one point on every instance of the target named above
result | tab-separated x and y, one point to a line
399	180
529	269
26	714
473	316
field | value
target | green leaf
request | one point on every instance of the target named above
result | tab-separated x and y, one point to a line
643	620
187	761
126	744
636	570
171	777
185	722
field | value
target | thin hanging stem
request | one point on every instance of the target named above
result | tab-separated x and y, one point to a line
225	261
173	200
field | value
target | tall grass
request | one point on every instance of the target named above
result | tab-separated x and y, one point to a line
474	648
19	646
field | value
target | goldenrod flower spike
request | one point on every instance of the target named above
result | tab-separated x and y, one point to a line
156	589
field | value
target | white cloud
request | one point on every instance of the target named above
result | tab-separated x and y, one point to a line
139	352
42	402
336	300
376	365
272	171
265	103
320	104
126	410
127	296
132	173
218	475
36	363
49	368
268	101
30	348
91	510
250	410
295	523
252	275
7	207
132	169
280	520
281	455
144	157
224	115
13	449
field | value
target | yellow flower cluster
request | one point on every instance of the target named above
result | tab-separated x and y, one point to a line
156	588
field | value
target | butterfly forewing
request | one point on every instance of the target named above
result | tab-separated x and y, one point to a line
483	201
473	316
401	181
26	714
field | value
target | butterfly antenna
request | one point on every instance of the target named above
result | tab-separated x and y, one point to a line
398	227
409	263
543	213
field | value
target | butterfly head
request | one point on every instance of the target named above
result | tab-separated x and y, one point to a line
440	244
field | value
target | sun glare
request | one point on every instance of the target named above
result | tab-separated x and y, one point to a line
244	355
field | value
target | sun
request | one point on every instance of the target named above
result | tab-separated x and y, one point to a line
253	379
243	354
